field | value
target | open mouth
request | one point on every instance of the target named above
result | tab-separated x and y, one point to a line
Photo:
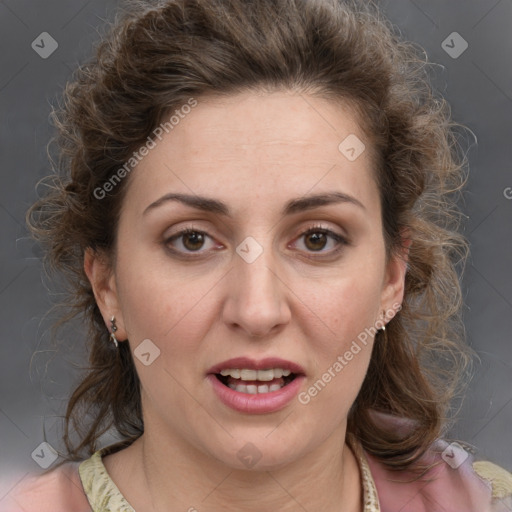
255	387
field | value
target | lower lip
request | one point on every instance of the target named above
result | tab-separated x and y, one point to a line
260	403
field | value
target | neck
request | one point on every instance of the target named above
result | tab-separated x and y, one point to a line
180	477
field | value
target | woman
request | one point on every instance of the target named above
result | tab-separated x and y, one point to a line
256	216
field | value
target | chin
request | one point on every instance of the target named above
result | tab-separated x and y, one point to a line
258	454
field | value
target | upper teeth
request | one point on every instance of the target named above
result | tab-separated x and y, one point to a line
265	375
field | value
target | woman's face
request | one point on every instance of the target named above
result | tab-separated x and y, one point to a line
248	281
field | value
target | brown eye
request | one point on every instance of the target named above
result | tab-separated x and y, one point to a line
190	241
193	240
315	241
321	240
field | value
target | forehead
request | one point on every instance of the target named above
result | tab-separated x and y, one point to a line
257	145
276	121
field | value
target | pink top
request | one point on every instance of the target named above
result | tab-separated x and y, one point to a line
454	483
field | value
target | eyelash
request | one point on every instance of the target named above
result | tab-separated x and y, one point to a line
339	239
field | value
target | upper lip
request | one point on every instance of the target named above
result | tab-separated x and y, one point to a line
253	364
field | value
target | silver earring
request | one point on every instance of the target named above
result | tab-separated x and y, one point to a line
383	328
113	329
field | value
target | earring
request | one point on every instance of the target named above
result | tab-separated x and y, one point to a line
113	329
383	328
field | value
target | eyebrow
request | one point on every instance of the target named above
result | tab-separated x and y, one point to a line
294	206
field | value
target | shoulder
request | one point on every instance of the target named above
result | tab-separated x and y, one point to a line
58	490
452	481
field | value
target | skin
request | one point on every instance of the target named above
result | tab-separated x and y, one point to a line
299	300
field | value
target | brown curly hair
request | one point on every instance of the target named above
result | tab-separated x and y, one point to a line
155	57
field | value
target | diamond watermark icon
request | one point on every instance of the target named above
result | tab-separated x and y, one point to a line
351	147
249	455
454	455
146	352
44	45
249	250
454	45
44	455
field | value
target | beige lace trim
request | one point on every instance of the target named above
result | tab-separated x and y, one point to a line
500	479
101	491
370	496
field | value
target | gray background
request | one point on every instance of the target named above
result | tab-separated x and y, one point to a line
478	85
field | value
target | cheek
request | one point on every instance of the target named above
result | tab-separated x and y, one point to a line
343	307
160	301
340	335
342	354
174	312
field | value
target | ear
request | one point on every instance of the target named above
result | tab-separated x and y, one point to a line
394	281
100	273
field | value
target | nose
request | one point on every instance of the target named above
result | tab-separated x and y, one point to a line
257	297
